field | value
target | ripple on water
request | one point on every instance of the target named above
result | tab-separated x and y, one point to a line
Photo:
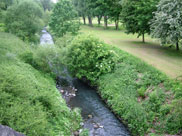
90	103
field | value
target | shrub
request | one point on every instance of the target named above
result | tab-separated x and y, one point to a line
44	58
89	58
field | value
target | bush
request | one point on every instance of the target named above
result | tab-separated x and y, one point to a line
89	58
43	58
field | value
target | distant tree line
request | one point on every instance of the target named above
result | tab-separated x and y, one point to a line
160	18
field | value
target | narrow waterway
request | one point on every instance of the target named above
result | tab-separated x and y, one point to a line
46	38
98	119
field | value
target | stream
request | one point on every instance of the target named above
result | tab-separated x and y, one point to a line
98	118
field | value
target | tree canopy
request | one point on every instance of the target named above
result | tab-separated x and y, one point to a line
136	15
167	22
64	19
24	20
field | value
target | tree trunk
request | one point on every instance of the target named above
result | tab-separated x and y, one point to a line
84	20
90	21
177	46
116	24
99	19
143	37
105	22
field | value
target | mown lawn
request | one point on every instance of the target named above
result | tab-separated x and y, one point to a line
167	60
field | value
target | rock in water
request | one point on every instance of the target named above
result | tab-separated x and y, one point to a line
6	131
90	116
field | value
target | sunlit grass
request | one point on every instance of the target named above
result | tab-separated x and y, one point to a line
167	60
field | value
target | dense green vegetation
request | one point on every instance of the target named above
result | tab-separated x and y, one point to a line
137	14
166	23
30	102
99	59
146	100
64	19
25	18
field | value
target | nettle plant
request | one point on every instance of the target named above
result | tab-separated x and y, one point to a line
89	58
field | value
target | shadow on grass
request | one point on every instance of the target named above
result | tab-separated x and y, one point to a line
152	45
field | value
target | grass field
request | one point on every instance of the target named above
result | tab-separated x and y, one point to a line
167	60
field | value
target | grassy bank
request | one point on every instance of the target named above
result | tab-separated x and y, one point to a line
147	101
145	98
29	100
165	59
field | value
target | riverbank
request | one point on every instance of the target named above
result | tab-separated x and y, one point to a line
30	102
145	98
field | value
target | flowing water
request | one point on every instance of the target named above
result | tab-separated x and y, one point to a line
46	38
98	119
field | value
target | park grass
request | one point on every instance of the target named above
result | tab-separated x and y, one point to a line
165	59
29	100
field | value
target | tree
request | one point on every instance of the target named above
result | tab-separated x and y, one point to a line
115	11
64	19
46	4
136	15
24	20
4	4
80	6
104	6
167	22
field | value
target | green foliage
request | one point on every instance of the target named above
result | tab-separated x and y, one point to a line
64	19
141	92
166	24
137	14
30	102
4	4
24	20
2	27
46	17
46	4
90	58
44	59
154	110
84	133
63	44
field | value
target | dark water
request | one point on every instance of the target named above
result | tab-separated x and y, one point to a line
90	104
